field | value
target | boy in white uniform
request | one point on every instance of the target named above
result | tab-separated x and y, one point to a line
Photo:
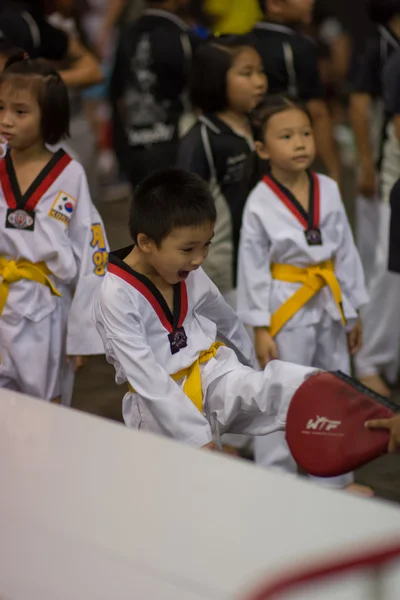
159	316
53	250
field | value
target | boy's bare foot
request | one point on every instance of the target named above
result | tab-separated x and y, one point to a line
376	384
360	490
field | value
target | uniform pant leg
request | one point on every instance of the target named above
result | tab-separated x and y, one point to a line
35	356
332	355
271	451
380	350
367	231
247	401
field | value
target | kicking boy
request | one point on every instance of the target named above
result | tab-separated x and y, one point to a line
160	316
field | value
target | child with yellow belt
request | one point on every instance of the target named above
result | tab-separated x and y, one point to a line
160	317
53	249
300	280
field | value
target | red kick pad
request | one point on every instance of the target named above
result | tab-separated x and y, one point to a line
325	424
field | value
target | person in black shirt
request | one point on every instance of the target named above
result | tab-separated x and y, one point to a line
24	24
227	83
290	64
149	88
367	116
380	356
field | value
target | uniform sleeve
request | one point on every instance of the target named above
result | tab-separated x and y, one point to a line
229	327
348	266
254	276
307	73
124	340
90	248
192	156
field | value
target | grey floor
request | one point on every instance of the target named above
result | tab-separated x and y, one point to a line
97	393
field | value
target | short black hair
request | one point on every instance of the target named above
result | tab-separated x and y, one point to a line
270	106
381	11
51	93
262	5
208	88
168	199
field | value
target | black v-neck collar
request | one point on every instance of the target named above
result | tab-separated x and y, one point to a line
309	219
22	199
38	187
171	320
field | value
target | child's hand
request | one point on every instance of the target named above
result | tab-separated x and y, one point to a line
393	425
355	338
265	346
78	361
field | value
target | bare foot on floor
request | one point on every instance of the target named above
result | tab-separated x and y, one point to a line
376	384
360	490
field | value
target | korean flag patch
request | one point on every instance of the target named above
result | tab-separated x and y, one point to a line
63	207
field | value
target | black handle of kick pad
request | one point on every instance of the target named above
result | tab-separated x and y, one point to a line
367	391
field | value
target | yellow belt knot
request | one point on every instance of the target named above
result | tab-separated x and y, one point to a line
192	386
313	278
12	271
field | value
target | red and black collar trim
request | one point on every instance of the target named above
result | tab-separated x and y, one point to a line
170	320
38	187
310	219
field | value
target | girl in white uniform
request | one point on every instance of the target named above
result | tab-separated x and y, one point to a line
53	250
300	280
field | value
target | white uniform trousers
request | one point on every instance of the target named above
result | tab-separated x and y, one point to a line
381	349
323	346
33	358
368	212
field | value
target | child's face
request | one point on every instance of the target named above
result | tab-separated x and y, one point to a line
182	251
20	117
246	82
291	11
288	141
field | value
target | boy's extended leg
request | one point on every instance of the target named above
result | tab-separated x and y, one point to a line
248	401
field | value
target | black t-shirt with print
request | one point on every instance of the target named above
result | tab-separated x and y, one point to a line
149	82
25	25
289	59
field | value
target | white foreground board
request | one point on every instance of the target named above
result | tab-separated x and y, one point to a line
90	510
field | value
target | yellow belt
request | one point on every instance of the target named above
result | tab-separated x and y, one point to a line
15	270
192	386
313	279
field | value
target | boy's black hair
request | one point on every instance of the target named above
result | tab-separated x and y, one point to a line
381	11
210	67
51	93
262	6
270	106
168	199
